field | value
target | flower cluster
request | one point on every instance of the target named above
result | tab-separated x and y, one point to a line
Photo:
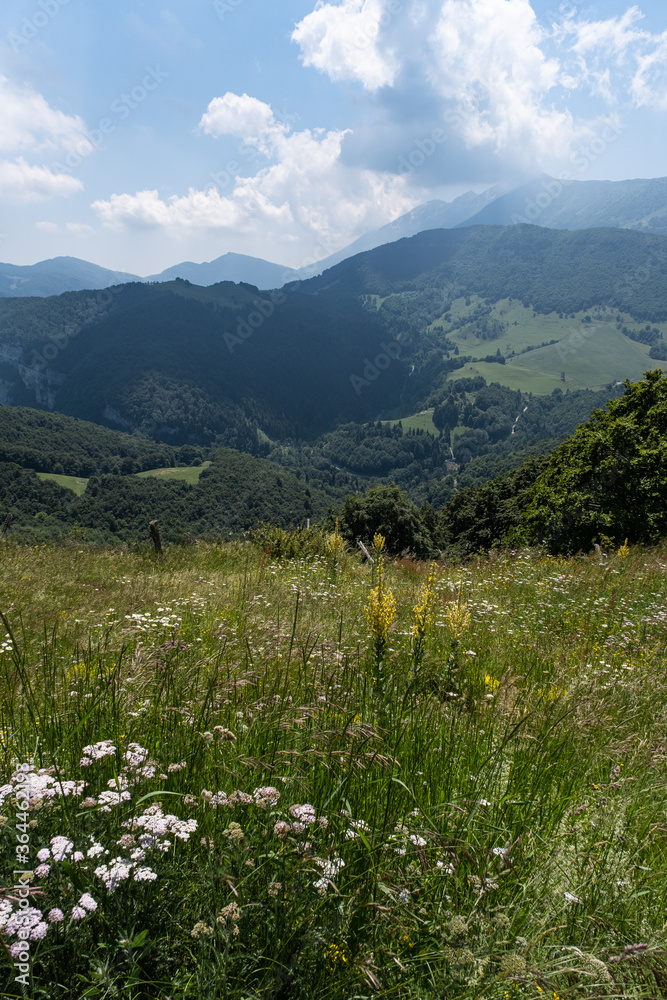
97	751
41	786
425	615
266	797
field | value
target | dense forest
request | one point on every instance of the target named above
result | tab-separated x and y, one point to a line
375	336
604	483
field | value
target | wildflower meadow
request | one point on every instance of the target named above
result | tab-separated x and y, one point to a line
231	775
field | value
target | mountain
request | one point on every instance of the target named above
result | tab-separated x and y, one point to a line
230	267
69	274
59	274
388	332
431	215
632	204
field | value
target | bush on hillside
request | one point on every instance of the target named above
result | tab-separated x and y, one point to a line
609	480
387	510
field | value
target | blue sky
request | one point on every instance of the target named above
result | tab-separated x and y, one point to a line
137	135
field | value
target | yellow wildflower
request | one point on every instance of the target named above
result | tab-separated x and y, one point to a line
624	550
380	612
335	543
424	611
458	618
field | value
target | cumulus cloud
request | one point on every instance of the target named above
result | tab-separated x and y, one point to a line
29	126
244	117
305	195
343	40
499	77
21	183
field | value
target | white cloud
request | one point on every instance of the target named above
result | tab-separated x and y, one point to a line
21	183
619	59
305	197
490	66
244	117
487	52
342	40
29	126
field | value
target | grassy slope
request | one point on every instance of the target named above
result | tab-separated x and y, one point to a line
417	422
74	483
189	474
605	357
503	817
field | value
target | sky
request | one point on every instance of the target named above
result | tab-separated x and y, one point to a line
140	134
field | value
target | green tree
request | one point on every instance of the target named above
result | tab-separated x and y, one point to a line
385	510
610	478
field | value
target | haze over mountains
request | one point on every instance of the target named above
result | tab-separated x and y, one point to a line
632	204
383	332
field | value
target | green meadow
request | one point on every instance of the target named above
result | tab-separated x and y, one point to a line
589	356
186	474
75	483
227	774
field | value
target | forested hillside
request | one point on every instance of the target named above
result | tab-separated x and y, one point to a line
384	334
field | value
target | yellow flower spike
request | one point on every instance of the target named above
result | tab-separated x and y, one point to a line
624	550
379	542
380	612
425	613
458	619
335	543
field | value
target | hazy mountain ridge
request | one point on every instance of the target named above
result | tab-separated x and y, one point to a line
545	201
631	204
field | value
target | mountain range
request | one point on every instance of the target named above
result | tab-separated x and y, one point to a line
387	332
548	202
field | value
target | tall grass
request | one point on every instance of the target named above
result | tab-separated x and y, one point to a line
484	818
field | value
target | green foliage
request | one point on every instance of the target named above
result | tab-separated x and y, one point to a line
289	543
385	510
478	518
235	493
184	364
609	478
51	442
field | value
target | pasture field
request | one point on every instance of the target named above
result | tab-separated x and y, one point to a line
187	474
226	774
75	483
417	422
589	356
